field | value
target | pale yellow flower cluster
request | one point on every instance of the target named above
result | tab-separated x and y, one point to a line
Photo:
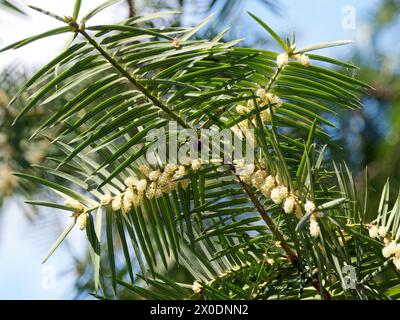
79	214
81	221
283	59
268	185
176	42
314	226
154	184
263	100
376	231
271	187
309	207
74	204
197	287
391	249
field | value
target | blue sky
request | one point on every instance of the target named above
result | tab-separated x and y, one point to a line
21	274
24	244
